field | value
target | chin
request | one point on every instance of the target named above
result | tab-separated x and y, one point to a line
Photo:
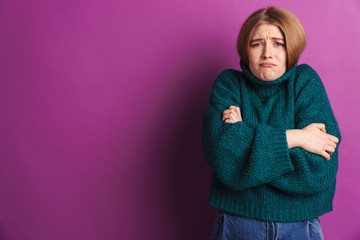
268	78
267	75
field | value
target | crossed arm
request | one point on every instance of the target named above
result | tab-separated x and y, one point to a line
243	156
312	138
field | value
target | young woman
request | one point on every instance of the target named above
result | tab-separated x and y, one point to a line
270	137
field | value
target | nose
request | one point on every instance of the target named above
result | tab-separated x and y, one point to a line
266	51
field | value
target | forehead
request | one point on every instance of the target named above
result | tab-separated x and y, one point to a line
267	30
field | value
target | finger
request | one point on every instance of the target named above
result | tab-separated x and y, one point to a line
229	121
227	111
332	144
231	111
325	155
333	138
234	117
321	126
238	112
237	109
231	115
330	149
227	115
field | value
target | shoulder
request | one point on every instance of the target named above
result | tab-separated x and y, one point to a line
305	70
228	78
226	86
306	77
230	74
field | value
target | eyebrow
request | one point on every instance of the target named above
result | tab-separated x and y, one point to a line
274	38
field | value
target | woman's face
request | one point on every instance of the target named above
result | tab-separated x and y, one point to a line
267	52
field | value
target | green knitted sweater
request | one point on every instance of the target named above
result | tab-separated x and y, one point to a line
255	174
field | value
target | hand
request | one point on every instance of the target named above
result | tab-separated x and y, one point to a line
313	138
232	115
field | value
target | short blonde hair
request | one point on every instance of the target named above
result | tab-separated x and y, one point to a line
290	26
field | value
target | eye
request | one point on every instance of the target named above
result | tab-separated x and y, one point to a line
279	44
256	44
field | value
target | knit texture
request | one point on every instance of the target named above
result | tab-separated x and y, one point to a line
255	174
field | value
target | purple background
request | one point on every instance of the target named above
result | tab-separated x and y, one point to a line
101	105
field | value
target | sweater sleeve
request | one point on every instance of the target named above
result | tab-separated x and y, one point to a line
312	173
238	154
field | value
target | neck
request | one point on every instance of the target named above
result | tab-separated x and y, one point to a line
265	88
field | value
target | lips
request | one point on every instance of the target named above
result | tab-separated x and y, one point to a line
267	64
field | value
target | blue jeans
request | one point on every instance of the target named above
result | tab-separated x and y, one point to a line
232	227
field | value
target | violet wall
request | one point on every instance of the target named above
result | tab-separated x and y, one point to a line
101	105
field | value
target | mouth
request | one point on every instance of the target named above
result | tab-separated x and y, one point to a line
267	64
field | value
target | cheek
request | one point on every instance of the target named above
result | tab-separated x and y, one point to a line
283	60
252	64
252	58
284	56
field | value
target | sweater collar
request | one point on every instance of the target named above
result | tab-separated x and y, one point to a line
265	88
